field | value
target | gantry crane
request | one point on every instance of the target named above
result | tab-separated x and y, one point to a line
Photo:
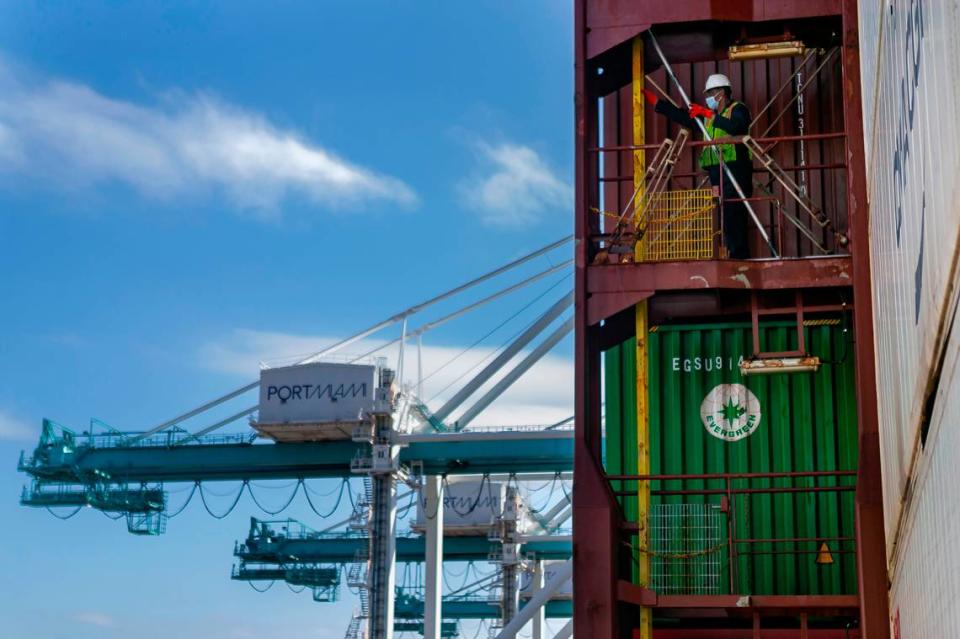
126	472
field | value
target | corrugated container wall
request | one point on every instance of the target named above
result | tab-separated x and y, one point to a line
926	580
792	422
910	65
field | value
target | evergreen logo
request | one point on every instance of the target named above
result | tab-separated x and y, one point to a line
730	412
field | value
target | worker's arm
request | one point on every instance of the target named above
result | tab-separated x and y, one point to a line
676	114
737	124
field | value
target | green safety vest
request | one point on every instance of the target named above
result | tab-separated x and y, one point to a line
708	157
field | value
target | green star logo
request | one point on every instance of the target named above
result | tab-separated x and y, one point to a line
732	411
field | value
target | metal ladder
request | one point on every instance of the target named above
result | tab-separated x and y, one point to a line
796	193
656	177
357	578
360	518
355	629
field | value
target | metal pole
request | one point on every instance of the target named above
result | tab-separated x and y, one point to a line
433	516
566	632
419	365
403	343
512	349
539	617
515	374
563	574
557	521
706	136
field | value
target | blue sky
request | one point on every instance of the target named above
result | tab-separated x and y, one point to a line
188	188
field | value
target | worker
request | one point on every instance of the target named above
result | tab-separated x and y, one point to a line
723	117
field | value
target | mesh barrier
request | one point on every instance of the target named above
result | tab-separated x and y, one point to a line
676	225
685	549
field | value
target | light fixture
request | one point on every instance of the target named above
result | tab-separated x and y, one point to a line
768	365
764	50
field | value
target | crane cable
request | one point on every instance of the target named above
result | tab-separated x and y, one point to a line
358	336
188	500
236	500
265	589
553	488
494	330
345	484
476	501
62	517
289	501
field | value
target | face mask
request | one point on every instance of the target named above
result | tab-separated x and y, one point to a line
712	103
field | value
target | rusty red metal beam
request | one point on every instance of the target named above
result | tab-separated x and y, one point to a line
833	271
739	605
595	519
600	306
871	545
747	633
612	22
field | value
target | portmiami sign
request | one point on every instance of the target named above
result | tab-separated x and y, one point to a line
730	412
316	393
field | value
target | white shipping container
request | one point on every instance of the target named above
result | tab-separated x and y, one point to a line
910	65
316	393
469	507
926	578
550	569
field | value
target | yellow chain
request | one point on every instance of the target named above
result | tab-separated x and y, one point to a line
667	555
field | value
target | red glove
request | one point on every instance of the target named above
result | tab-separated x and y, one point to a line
649	96
700	111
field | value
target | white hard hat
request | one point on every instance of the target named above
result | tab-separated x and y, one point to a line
715	81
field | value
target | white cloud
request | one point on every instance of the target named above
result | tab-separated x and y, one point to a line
518	187
543	395
185	144
98	619
14	429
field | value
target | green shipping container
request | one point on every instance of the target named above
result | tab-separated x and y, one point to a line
706	418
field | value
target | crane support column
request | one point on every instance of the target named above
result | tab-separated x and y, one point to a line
383	468
539	617
433	516
563	574
511	560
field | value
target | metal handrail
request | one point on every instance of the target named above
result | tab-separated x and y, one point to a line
728	506
731	139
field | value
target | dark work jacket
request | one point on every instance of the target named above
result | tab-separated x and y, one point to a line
737	124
